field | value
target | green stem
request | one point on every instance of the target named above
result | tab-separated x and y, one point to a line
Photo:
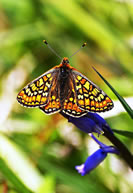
124	152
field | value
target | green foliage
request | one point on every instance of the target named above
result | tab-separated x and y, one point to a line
121	99
124	133
9	175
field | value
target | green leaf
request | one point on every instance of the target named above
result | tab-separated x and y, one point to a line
124	133
70	177
48	185
20	166
12	178
121	99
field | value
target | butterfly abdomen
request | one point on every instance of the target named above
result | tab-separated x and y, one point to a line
63	83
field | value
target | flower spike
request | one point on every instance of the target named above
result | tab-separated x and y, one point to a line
96	158
89	123
92	162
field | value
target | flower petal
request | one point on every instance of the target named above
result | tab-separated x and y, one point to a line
92	162
85	124
91	122
80	169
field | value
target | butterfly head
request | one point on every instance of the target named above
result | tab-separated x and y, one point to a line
65	61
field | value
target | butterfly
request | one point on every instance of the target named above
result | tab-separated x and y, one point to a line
64	89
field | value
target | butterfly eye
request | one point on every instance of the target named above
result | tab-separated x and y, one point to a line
66	61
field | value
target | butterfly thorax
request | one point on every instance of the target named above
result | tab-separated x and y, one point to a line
65	68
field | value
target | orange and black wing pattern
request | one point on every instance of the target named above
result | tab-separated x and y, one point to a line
53	106
76	97
70	106
37	93
89	96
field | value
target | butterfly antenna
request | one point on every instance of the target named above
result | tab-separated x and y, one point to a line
84	44
45	42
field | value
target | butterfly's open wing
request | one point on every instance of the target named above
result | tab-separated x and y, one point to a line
37	92
89	96
53	105
70	106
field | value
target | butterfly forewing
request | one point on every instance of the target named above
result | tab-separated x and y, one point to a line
89	96
37	92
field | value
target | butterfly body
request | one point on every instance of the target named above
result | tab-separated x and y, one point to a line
64	81
64	89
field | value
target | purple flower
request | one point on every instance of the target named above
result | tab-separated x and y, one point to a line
96	158
92	162
91	122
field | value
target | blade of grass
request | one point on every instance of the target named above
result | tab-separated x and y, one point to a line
71	178
124	152
124	133
12	178
121	99
18	162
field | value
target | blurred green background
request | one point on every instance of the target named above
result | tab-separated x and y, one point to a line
38	153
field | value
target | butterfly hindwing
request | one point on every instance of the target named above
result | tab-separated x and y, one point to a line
67	104
37	92
70	106
53	105
89	96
